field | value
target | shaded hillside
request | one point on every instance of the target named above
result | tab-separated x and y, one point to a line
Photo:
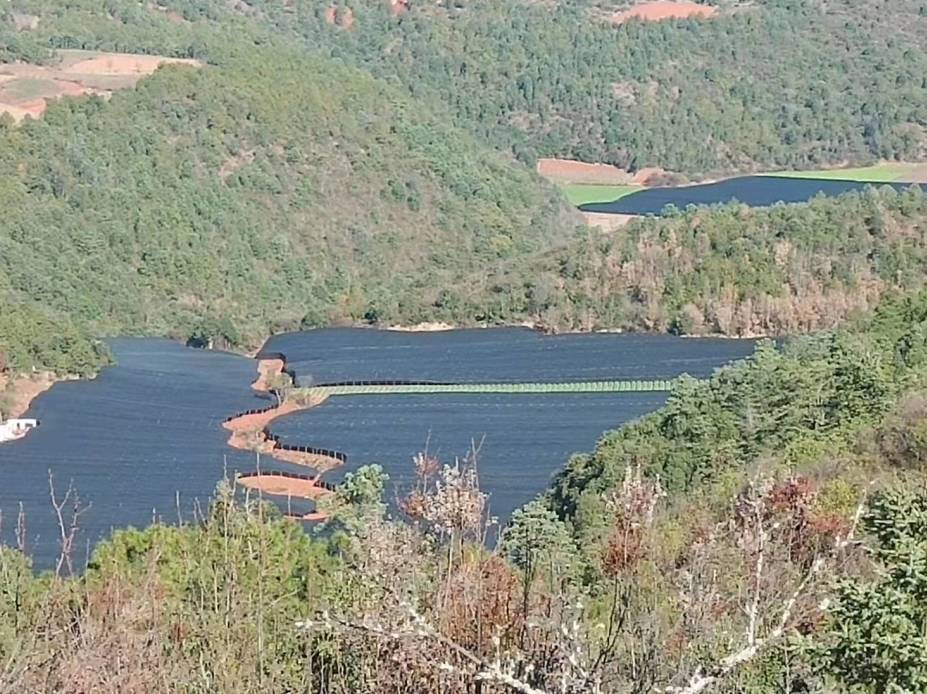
263	194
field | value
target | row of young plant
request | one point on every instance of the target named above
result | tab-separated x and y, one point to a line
495	388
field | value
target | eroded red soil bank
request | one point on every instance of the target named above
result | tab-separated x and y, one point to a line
250	431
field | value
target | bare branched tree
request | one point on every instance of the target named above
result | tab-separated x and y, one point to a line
771	613
68	511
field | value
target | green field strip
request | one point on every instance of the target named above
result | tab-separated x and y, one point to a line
646	386
584	194
878	173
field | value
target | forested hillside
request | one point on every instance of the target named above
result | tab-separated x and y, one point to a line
265	193
277	187
763	85
733	270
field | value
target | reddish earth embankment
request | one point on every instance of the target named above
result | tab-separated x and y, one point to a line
571	171
249	433
18	392
289	486
658	11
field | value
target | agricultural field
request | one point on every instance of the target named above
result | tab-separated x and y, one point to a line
663	10
885	172
583	193
26	89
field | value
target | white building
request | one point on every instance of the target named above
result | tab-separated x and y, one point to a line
13	429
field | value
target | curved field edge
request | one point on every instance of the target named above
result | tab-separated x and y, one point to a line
583	193
249	431
886	172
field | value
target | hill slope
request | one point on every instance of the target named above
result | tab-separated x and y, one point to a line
700	97
262	194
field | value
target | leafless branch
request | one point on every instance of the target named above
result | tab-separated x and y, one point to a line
702	680
68	511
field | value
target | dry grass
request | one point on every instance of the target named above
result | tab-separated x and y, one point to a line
17	394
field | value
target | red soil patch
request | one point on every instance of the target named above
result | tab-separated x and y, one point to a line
397	7
291	487
256	422
658	11
248	434
569	171
26	90
267	369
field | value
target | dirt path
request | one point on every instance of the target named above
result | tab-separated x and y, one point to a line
919	175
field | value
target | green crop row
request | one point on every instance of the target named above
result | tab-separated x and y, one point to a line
497	388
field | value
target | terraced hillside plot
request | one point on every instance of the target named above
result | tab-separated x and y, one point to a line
26	90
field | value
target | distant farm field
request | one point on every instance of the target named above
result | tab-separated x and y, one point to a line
665	9
26	90
878	173
584	194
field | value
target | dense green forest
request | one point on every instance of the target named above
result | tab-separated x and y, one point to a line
763	532
263	195
763	85
314	173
